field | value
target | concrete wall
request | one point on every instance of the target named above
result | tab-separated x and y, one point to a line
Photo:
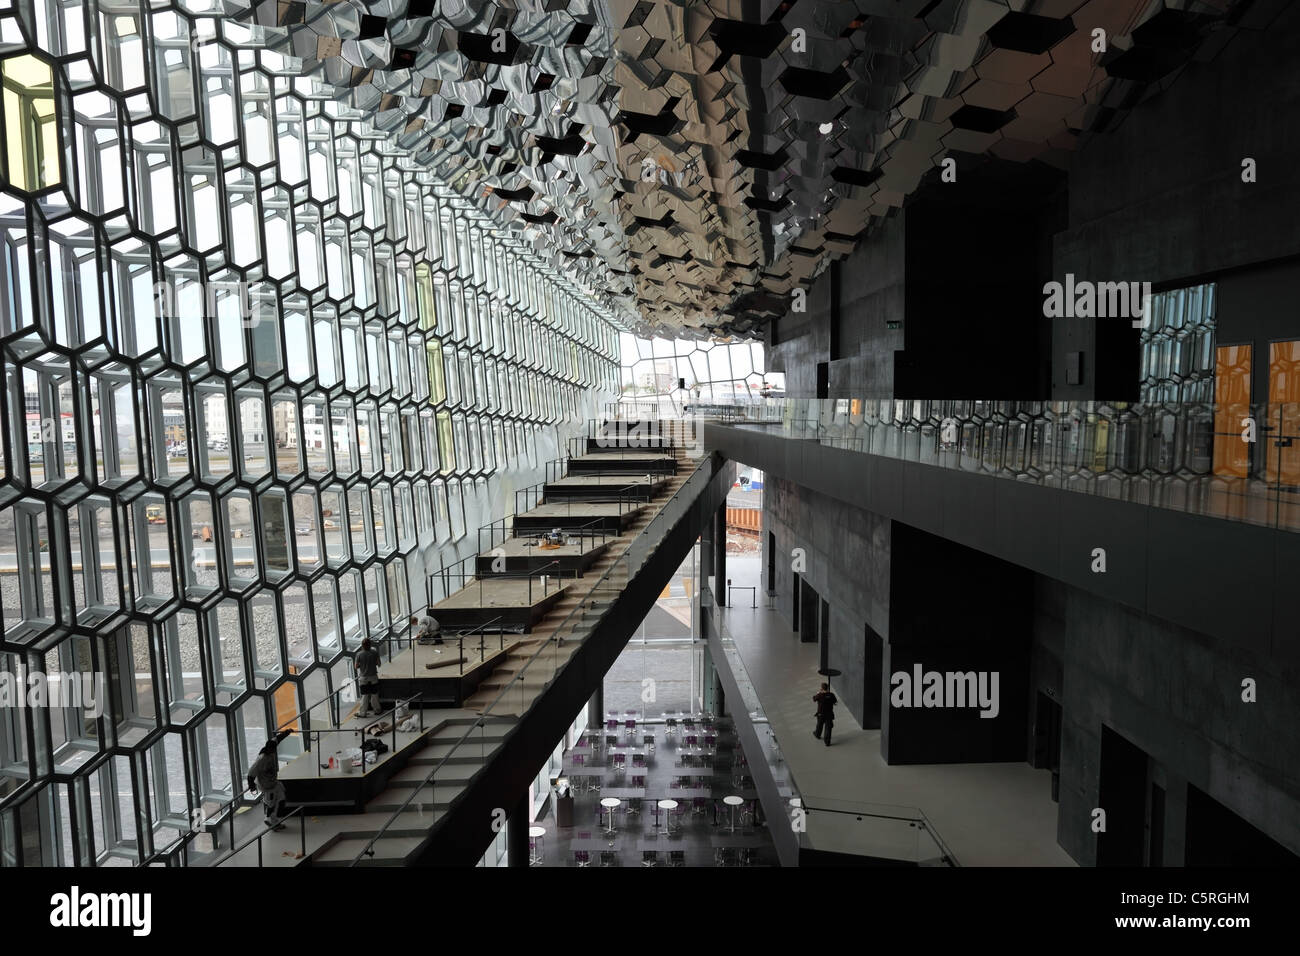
1256	307
847	553
1176	694
1160	198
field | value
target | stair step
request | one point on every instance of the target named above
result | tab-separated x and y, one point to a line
388	851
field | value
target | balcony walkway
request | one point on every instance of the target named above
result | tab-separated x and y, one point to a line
989	814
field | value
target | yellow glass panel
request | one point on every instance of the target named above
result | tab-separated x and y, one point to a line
445	443
424	296
437	376
30	122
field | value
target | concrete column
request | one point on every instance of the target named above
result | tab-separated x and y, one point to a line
720	553
596	708
946	652
1175	845
707	554
517	825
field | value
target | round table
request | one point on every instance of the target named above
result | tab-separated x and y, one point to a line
538	834
733	801
610	804
668	806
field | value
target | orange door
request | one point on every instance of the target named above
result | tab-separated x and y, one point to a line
286	703
1284	413
1231	406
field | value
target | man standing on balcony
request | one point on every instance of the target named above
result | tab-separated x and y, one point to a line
367	664
825	702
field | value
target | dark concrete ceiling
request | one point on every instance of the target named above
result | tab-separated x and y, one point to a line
693	163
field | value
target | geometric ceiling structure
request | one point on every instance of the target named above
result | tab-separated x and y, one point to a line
691	164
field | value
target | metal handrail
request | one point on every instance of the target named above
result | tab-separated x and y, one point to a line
920	819
480	630
183	841
298	811
365	729
308	710
555	636
228	806
560	573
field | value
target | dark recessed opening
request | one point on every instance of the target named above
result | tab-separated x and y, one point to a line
981	120
579	34
818	86
855	177
1028	33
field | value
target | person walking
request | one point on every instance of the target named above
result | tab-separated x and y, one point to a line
264	778
825	702
367	664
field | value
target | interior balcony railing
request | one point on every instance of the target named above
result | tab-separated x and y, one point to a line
1234	461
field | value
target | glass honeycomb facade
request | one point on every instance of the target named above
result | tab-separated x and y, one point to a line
726	372
261	372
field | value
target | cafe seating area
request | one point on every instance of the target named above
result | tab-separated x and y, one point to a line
672	790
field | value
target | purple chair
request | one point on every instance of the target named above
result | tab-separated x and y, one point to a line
582	858
638	760
629	727
611	726
580	760
701	804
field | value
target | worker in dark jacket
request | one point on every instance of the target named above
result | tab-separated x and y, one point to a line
367	664
825	702
264	778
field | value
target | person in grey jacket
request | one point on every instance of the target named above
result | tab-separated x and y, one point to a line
367	664
264	778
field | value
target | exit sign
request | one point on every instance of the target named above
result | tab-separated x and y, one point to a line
893	323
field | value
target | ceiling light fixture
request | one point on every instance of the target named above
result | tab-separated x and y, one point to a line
825	128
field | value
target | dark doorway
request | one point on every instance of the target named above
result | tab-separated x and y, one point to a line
1123	795
771	563
823	379
873	690
1047	740
824	632
809	612
794	603
1218	837
1157	855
